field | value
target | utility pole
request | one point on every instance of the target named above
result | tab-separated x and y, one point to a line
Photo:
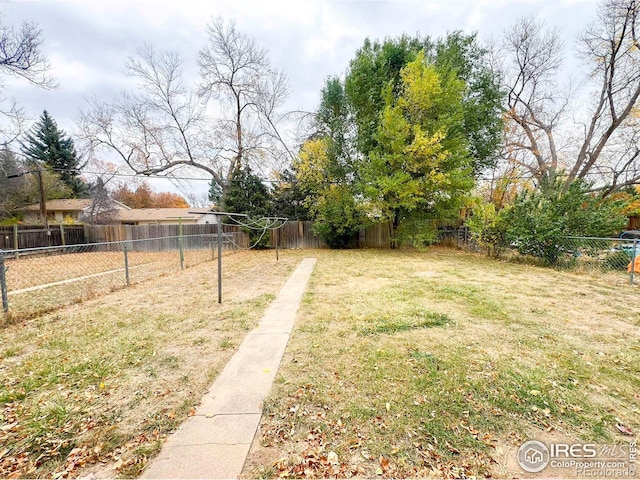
41	195
43	204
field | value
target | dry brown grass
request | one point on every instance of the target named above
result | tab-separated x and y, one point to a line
41	284
402	363
98	385
442	363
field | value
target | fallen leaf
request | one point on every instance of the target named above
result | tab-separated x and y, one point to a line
332	458
624	430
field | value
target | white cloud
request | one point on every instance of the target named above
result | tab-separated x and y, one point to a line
88	41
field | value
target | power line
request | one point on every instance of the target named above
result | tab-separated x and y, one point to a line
166	177
527	176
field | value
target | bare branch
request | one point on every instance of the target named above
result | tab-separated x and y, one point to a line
231	118
21	55
536	108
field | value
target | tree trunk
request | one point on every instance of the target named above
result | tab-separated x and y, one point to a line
393	231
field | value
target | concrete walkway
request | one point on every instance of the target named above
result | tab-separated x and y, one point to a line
215	442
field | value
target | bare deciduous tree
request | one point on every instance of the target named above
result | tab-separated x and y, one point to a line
197	200
540	135
21	56
228	119
102	209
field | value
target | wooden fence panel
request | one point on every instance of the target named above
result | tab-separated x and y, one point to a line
34	236
375	236
299	234
295	234
167	233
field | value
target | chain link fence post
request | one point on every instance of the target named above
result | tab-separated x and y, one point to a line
180	244
3	284
15	241
219	219
633	261
126	263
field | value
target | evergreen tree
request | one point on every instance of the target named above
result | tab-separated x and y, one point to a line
289	197
247	194
215	193
48	146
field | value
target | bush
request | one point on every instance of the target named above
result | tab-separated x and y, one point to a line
538	220
488	228
417	232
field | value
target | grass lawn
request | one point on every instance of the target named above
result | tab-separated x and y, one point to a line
38	285
401	363
98	385
406	363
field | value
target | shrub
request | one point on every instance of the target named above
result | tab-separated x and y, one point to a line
538	220
488	228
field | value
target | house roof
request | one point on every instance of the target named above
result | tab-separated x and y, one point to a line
158	214
71	205
63	205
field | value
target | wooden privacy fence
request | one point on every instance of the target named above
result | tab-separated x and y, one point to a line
34	236
294	234
120	233
299	234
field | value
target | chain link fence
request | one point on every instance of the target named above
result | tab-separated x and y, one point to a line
600	255
37	280
614	257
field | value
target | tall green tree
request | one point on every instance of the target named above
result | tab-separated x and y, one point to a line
326	169
402	137
47	145
377	67
461	56
247	194
422	164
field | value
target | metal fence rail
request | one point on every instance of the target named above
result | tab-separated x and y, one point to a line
37	280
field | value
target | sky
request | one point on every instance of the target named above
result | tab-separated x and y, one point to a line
88	41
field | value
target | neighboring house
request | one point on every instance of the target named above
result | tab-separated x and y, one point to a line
63	210
163	216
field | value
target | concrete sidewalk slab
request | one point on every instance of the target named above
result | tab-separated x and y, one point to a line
215	442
